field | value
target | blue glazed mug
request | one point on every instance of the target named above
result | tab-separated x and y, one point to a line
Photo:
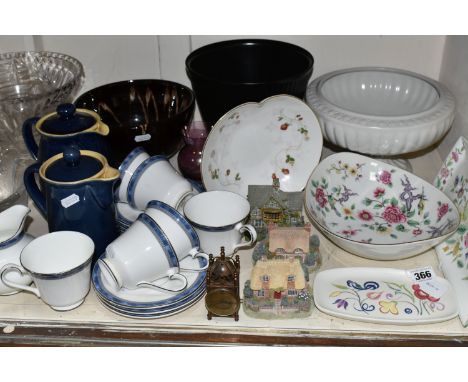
65	127
77	194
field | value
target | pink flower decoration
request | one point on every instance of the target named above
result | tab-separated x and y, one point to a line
455	156
442	210
385	177
320	197
349	232
378	192
365	215
374	295
417	231
393	215
444	172
465	241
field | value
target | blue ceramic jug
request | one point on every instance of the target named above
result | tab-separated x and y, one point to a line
67	126
77	194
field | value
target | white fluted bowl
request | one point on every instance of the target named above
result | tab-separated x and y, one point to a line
381	111
376	210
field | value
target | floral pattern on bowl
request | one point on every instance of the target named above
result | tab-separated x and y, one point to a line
452	179
278	138
388	297
381	295
364	205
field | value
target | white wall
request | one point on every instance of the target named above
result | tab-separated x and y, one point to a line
454	73
112	58
422	54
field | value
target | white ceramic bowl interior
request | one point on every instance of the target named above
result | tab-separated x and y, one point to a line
375	210
379	93
381	111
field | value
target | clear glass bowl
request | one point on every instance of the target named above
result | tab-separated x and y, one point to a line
31	84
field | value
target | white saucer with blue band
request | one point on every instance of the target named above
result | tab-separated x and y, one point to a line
150	298
160	314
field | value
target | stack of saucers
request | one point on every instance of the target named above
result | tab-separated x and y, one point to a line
148	302
126	215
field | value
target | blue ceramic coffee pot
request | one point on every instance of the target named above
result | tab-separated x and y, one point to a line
77	194
65	127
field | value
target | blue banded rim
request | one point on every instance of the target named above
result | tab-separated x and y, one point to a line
197	186
176	306
137	175
162	239
179	219
129	159
214	229
12	240
109	296
160	314
60	275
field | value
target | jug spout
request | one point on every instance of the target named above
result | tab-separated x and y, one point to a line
110	173
12	222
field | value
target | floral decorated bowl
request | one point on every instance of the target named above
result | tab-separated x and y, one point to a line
381	111
376	210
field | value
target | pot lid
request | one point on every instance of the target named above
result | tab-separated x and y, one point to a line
73	166
67	121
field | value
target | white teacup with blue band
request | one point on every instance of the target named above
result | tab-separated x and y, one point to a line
60	266
127	168
142	257
218	217
181	234
156	179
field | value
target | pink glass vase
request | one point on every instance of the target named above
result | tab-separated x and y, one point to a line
189	159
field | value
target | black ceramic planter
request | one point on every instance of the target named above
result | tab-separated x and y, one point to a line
229	73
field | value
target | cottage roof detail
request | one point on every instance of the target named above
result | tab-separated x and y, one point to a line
278	272
259	195
289	238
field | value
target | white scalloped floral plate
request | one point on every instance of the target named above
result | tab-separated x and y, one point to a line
452	179
253	143
381	295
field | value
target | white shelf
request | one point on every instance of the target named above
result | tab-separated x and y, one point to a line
23	314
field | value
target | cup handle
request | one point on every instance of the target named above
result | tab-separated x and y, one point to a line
13	267
33	189
194	253
251	232
28	137
176	276
102	129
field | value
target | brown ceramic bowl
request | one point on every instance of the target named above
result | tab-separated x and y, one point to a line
147	113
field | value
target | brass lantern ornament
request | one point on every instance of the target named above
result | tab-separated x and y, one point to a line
222	286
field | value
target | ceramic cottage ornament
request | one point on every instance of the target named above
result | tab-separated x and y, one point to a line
290	243
278	289
269	204
279	282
